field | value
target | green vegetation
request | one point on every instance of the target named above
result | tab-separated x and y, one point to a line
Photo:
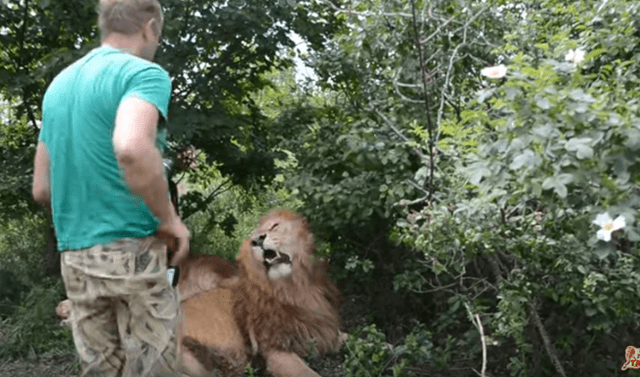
457	208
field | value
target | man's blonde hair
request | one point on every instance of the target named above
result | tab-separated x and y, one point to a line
128	16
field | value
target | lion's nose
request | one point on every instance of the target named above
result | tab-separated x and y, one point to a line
258	241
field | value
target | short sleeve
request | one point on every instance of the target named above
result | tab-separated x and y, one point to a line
153	85
43	135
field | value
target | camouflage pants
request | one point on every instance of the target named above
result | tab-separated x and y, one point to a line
124	314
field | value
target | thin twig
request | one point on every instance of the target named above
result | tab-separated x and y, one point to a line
447	80
366	14
484	347
20	67
426	100
396	130
406	203
417	187
217	191
545	339
475	319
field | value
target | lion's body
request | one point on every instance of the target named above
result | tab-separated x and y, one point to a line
213	340
201	273
282	317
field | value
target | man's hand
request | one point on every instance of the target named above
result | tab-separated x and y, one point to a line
176	235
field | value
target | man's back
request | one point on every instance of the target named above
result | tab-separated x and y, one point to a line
90	200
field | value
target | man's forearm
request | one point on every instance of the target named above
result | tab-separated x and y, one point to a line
143	172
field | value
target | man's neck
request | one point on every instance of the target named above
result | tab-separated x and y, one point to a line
127	43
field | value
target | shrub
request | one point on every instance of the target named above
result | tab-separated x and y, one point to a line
513	234
34	328
368	354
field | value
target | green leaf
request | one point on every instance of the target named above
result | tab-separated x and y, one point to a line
633	139
595	54
558	183
543	103
527	158
603	249
580	146
542	46
632	235
561	190
581	96
484	94
476	172
511	92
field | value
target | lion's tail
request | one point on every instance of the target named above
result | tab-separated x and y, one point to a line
212	359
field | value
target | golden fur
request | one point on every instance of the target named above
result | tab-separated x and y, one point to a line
201	273
280	319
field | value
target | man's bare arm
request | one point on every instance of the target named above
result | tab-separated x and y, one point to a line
134	142
41	189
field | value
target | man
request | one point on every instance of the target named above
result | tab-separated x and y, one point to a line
99	171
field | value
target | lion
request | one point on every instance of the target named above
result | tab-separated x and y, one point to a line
276	305
283	307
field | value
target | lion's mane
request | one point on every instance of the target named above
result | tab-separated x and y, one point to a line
288	314
297	314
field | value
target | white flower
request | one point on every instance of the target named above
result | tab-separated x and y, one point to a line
496	72
608	226
574	56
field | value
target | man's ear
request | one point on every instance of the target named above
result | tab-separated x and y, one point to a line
152	29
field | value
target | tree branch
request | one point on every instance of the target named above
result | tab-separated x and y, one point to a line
396	130
426	101
218	190
475	319
406	203
452	60
20	67
545	339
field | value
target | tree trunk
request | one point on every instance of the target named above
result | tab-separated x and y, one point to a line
51	255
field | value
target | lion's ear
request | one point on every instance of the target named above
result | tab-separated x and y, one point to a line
305	223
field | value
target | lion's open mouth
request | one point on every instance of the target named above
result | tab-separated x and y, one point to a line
272	258
277	264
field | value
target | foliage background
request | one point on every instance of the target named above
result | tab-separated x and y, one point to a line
456	209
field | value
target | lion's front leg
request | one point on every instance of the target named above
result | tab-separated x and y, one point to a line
288	364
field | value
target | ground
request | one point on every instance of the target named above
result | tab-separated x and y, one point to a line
48	365
64	364
353	314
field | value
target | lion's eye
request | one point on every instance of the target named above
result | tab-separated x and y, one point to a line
269	254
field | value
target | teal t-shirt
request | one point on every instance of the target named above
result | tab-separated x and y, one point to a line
91	202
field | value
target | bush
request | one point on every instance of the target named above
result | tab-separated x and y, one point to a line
34	327
21	247
512	234
221	223
27	297
368	354
11	291
22	242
